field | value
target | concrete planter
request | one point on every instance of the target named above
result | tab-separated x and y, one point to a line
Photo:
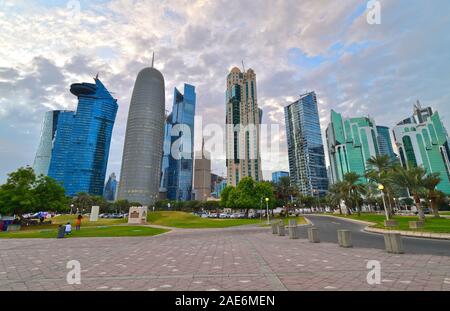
281	229
294	232
390	223
415	224
345	238
313	235
274	227
393	243
12	228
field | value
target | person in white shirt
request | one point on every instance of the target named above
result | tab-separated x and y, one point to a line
68	228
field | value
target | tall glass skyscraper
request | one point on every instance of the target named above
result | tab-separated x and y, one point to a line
351	142
110	188
305	148
385	142
276	176
423	141
51	123
177	172
81	148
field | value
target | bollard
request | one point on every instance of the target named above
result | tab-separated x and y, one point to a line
390	223
345	238
415	224
294	232
393	243
292	222
274	227
313	235
281	229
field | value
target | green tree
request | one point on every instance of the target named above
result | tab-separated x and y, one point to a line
264	190
50	195
225	195
17	195
352	191
121	205
82	201
430	182
380	172
412	179
335	195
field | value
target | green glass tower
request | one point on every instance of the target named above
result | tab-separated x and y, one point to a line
351	142
422	140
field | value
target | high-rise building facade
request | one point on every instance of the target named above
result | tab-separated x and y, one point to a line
109	194
202	176
82	140
385	142
351	142
277	175
177	169
424	142
305	148
243	119
48	137
143	148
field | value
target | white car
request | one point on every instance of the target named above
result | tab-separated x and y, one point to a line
223	215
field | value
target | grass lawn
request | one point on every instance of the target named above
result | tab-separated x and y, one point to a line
85	232
437	225
187	220
445	213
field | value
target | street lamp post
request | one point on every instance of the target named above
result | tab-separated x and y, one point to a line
381	188
260	210
267	207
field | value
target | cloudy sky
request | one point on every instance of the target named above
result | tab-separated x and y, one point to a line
294	46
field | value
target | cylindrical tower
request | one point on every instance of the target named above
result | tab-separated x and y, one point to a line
141	162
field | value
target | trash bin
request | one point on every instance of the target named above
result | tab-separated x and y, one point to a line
61	232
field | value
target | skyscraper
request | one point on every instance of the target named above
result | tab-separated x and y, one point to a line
424	142
48	136
243	119
109	194
385	142
177	169
143	148
202	176
351	142
82	139
91	138
305	148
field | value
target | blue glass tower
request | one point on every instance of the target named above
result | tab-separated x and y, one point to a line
110	191
80	156
277	175
305	147
177	170
385	142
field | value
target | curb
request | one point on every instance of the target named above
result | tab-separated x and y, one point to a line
413	234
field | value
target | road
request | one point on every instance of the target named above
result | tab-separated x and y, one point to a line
328	227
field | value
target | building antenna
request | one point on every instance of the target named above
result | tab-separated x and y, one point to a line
96	77
153	59
243	66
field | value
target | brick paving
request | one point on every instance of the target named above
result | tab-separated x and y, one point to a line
244	258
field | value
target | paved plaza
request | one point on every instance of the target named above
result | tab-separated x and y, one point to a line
244	258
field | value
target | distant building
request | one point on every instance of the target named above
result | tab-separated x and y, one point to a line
243	119
215	180
177	172
141	163
385	142
202	176
219	188
424	142
305	148
277	175
82	140
109	194
351	142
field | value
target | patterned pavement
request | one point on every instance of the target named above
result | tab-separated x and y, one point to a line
244	258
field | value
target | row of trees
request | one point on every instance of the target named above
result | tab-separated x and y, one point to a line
388	180
247	195
187	206
24	192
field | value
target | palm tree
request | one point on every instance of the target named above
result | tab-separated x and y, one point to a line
412	179
430	183
380	173
353	190
334	195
